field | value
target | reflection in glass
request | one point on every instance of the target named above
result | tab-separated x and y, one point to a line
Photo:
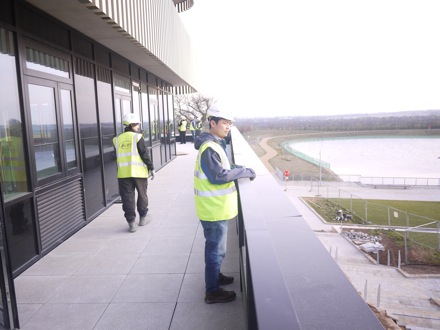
69	135
89	132
154	115
136	98
12	158
119	126
44	130
20	232
126	107
145	118
170	118
47	63
105	107
162	126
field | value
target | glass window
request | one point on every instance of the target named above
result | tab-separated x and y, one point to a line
90	139
44	130
69	133
47	63
122	107
170	118
13	163
105	106
154	114
145	114
118	116
126	107
20	231
122	101
122	85
136	97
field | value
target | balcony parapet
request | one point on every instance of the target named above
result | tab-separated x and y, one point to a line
290	281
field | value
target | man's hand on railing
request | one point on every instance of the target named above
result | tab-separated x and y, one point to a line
253	174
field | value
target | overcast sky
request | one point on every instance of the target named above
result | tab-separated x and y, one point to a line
315	57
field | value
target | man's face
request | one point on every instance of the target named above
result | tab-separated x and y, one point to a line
222	128
135	127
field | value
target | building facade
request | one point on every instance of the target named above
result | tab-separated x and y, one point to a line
70	70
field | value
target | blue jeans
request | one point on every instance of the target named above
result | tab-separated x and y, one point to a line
216	235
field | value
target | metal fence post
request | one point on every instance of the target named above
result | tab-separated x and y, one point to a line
406	247
365	290
438	234
366	211
389	218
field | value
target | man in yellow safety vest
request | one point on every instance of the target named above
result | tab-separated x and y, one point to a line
134	166
182	129
216	200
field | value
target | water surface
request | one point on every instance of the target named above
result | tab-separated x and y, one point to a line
377	156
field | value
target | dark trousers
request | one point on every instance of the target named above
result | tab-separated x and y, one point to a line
182	136
127	188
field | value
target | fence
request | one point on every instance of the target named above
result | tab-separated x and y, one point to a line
418	235
402	182
299	154
303	177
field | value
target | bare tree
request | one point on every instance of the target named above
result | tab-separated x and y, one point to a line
192	106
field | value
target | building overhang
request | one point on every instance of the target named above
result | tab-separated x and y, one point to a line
85	17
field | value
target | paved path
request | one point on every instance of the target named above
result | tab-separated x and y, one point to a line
270	153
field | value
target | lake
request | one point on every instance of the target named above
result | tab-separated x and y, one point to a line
376	156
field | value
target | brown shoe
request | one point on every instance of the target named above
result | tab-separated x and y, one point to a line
224	280
220	296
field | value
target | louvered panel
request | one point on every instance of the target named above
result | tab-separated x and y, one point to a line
60	212
155	27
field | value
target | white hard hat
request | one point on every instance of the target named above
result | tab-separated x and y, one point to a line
214	111
130	118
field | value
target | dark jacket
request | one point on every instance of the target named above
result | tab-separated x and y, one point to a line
211	164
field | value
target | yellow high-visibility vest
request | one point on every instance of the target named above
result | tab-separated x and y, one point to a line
182	126
214	202
129	162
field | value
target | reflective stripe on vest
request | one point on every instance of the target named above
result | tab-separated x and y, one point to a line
214	202
129	162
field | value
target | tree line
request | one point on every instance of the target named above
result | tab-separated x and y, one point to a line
341	123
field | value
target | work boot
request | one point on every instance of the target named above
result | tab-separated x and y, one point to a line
220	296
133	226
223	280
144	220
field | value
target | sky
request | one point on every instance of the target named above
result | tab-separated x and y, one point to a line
260	58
